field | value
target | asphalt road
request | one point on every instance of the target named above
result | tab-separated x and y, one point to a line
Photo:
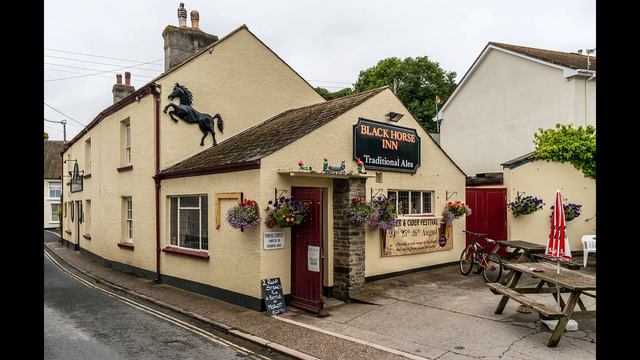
81	322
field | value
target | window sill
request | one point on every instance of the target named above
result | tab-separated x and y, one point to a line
187	252
86	236
87	176
68	232
125	168
126	245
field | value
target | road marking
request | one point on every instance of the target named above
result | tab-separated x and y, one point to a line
346	337
159	314
51	232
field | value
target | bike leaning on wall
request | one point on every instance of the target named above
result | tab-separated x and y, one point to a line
475	254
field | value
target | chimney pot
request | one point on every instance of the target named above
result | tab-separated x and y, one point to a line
118	78
127	78
195	19
182	16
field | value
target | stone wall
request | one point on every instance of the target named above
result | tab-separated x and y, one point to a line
348	240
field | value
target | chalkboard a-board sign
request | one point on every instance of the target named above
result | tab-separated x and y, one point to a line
273	297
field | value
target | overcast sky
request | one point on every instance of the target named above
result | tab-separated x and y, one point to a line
326	42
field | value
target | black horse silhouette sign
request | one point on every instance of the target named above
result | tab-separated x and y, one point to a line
187	113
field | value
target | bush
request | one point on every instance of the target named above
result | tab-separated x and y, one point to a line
564	143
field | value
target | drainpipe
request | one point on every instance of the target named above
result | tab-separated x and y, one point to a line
156	90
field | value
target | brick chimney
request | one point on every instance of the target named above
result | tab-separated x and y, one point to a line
120	90
180	42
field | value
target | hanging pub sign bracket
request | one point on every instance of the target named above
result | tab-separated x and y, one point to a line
75	181
279	192
449	195
378	191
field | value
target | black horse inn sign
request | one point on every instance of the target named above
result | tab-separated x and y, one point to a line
386	147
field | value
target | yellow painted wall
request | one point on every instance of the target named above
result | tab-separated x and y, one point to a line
335	140
106	186
502	105
242	80
235	256
542	179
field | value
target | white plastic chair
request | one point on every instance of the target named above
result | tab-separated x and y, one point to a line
588	245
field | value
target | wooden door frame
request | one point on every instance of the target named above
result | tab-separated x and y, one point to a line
323	227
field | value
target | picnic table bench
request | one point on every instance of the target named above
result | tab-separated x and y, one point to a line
571	281
523	250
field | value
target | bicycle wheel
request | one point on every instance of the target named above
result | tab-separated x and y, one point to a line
466	260
493	272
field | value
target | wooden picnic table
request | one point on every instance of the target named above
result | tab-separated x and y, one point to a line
568	281
523	250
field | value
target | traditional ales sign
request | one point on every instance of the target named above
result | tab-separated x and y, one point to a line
415	235
386	147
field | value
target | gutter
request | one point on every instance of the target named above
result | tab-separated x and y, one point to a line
156	91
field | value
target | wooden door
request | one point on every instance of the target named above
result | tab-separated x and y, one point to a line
488	213
306	285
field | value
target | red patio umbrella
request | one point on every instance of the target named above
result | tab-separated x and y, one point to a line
558	245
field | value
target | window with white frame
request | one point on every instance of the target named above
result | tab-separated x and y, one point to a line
128	219
87	220
87	156
412	202
55	189
55	215
125	141
189	222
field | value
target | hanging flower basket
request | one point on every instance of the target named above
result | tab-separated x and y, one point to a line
454	210
571	211
244	216
359	211
384	213
525	205
286	212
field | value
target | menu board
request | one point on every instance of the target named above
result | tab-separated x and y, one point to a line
273	297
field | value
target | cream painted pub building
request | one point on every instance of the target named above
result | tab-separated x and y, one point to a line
147	198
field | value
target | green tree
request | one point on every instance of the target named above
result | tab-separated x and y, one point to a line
416	82
564	143
328	95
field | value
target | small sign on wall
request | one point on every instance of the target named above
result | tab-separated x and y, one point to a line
274	240
313	258
273	297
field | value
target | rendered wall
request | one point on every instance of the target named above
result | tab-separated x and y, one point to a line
542	179
502	105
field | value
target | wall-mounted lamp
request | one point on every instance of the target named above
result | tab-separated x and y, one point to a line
394	116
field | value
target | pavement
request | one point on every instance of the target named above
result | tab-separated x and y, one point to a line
433	314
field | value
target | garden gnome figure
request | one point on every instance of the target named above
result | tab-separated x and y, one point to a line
361	169
303	167
325	165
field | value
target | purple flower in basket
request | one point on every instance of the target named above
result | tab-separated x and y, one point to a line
244	216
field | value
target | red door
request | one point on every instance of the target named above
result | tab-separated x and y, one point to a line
488	213
306	284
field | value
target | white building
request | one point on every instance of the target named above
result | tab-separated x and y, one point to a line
52	182
507	95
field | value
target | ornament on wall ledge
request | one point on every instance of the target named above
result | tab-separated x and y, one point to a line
303	167
331	169
361	169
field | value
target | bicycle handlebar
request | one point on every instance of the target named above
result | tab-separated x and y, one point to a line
475	234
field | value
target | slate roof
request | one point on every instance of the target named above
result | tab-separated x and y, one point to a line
520	160
570	60
271	135
53	159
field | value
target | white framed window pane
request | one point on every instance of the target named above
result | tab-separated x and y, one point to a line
426	202
128	152
204	232
416	203
174	221
189	228
130	229
190	202
54	190
403	202
54	212
127	133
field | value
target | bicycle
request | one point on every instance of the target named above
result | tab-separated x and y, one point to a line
489	264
